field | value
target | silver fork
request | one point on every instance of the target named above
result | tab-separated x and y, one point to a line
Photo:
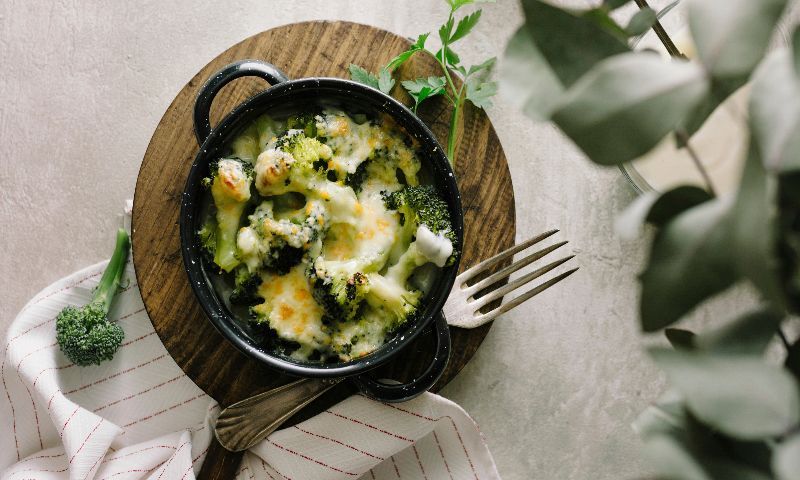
463	309
247	422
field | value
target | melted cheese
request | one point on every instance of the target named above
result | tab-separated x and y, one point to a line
341	232
292	311
351	143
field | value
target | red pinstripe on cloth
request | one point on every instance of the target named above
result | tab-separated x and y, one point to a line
138	415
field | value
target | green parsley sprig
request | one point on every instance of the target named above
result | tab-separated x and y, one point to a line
476	86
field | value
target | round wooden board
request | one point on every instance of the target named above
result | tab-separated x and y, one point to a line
300	50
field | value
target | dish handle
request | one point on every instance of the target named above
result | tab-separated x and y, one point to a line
242	68
400	392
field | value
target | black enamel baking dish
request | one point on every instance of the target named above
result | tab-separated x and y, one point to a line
285	97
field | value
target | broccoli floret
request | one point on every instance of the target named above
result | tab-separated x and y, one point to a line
85	334
280	244
230	182
341	296
356	179
422	205
391	298
291	165
307	123
208	237
282	256
245	291
305	150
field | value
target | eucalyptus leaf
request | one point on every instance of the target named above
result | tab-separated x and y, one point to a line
792	362
641	22
570	43
732	35
754	231
775	112
671	460
689	261
628	224
747	335
719	92
743	397
674	202
667	416
796	49
681	339
614	4
786	460
526	79
609	112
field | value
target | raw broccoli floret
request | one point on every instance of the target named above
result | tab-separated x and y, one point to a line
85	334
245	291
230	180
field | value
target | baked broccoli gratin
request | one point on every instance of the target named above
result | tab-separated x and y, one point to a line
325	232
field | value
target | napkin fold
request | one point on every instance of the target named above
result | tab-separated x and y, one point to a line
139	416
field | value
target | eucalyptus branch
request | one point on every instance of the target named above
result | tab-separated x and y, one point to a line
682	136
662	34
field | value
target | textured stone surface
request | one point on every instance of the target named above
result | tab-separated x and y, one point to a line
556	384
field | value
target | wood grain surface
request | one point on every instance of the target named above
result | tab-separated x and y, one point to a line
300	50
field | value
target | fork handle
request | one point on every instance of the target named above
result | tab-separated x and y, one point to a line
384	392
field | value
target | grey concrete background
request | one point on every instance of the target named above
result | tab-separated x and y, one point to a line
83	85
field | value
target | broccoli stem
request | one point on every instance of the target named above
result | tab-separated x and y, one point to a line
109	282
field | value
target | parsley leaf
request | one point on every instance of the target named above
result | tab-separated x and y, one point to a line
362	76
484	68
480	93
423	88
450	56
403	57
456	4
465	25
385	81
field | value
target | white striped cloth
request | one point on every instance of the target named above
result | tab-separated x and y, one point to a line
139	416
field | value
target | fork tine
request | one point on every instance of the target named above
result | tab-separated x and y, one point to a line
504	273
506	289
524	297
472	271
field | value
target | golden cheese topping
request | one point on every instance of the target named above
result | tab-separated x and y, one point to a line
338	230
292	311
